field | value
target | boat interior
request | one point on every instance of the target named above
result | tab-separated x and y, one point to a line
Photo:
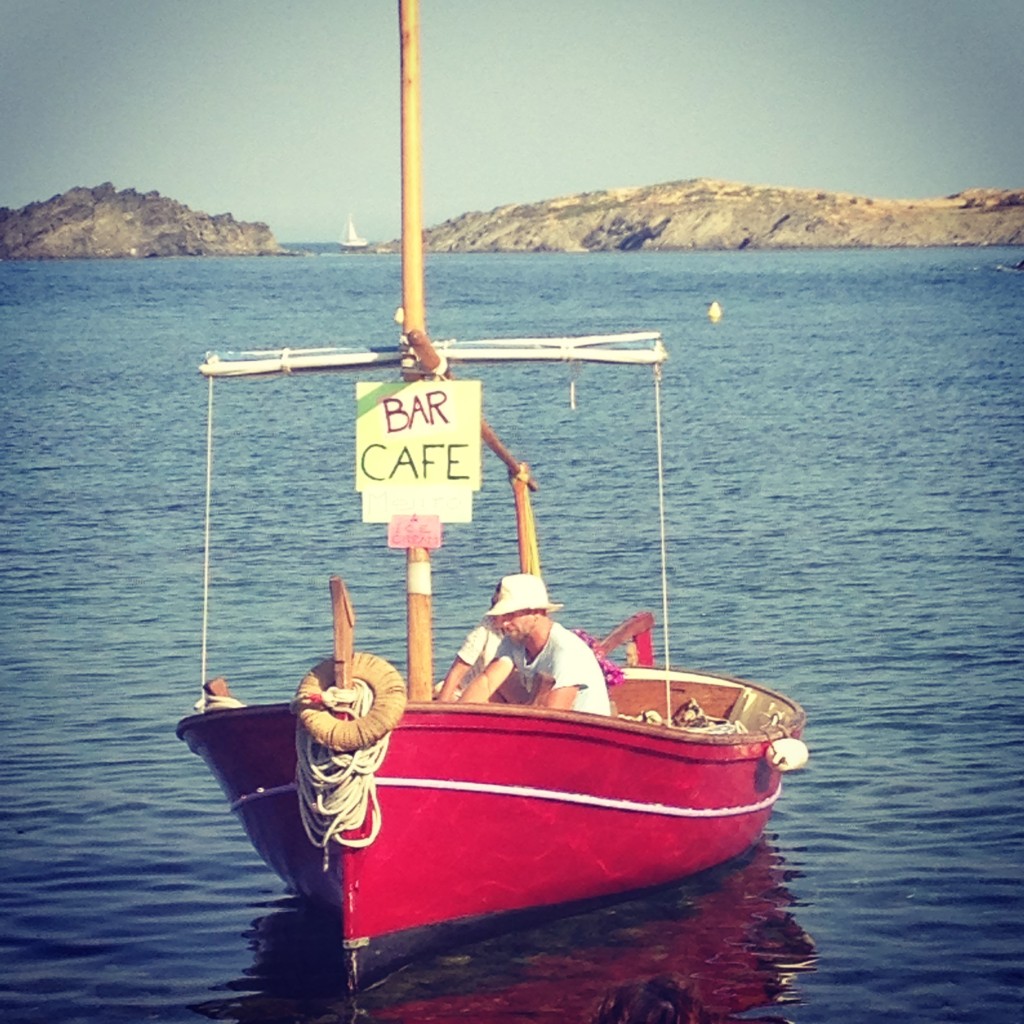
700	702
696	701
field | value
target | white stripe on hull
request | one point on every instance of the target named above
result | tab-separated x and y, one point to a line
531	793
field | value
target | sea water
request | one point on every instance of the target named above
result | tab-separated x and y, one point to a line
842	472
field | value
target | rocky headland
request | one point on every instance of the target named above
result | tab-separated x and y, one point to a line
101	222
707	214
96	223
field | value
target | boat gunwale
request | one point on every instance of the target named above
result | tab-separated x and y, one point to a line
614	723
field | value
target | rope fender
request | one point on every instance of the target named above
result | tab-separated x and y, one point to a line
348	734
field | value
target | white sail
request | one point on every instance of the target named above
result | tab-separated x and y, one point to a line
351	238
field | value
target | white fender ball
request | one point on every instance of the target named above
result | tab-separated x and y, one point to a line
788	754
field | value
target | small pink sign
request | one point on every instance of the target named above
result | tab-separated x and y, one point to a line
414	532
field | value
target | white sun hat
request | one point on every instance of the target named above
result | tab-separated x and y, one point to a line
520	592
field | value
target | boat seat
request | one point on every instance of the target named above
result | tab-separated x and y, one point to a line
744	702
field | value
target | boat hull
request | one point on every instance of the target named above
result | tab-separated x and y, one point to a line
490	813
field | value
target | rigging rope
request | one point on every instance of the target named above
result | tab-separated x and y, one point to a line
337	789
664	541
526	525
206	531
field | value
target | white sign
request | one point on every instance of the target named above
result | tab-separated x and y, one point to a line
418	449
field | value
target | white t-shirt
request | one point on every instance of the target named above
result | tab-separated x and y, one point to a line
478	649
568	661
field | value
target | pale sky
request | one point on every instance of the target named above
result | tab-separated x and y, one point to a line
286	111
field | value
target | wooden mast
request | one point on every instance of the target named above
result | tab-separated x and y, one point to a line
418	574
413	302
414	328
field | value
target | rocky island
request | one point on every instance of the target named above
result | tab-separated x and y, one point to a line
708	214
685	215
94	223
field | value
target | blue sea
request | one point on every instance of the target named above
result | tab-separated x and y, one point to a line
844	467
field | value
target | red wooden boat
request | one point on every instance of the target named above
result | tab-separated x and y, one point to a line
482	815
492	812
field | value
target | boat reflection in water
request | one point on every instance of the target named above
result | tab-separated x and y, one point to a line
729	932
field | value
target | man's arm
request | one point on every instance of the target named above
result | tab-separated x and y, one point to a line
482	688
561	697
452	681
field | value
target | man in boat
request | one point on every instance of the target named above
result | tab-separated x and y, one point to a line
557	668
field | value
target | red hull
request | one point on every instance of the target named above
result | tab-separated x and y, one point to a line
489	811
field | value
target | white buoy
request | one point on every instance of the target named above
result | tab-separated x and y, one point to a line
714	312
788	754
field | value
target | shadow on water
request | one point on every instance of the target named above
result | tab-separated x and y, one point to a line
730	932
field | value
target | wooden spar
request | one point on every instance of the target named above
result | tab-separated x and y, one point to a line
519	472
420	667
515	467
430	361
426	355
344	617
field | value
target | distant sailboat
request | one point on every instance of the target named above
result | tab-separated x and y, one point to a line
351	241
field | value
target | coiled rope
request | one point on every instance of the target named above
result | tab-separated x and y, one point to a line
337	789
341	737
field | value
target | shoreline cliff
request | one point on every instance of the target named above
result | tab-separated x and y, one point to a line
718	215
102	223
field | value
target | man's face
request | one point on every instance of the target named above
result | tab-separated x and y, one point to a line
516	625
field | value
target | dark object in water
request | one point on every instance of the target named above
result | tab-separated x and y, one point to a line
665	999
